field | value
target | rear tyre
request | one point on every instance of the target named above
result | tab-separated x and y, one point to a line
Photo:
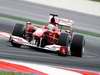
77	45
17	31
63	41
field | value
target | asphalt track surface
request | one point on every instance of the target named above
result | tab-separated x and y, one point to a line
91	57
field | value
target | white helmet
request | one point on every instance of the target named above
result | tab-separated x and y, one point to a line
28	22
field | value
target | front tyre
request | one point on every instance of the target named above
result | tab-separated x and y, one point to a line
17	31
77	45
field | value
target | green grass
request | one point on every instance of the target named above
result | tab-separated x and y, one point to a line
96	0
14	73
24	19
87	32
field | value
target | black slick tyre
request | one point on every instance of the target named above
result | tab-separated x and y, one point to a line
17	31
63	41
77	44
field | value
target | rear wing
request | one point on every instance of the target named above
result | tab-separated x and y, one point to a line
63	23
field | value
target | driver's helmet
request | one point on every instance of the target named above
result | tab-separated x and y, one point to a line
28	23
68	31
53	21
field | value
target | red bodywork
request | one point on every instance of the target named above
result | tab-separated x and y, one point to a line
51	35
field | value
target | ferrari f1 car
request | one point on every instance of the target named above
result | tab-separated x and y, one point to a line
56	36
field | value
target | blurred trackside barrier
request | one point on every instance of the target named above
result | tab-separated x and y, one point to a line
84	6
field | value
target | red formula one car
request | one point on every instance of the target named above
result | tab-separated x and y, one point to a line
56	36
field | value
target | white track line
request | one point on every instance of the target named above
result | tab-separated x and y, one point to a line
50	70
4	35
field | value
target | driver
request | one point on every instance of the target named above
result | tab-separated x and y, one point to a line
52	25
